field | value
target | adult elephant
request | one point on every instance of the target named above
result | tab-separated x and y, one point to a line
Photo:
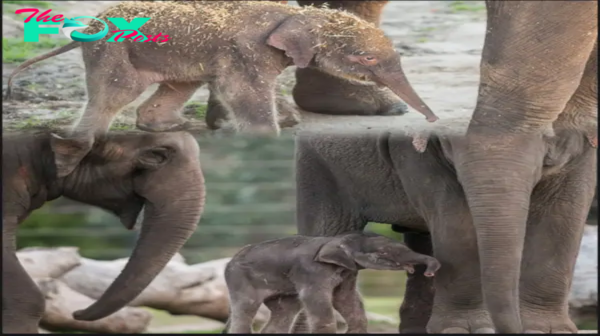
525	196
124	173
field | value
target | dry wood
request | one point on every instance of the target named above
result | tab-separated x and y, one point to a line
45	266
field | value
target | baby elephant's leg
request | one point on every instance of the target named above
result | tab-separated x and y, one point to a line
283	311
347	301
251	103
217	115
318	308
244	306
162	111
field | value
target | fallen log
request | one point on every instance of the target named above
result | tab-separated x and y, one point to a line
179	289
62	301
45	265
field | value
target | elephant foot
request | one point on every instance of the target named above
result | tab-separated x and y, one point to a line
178	124
540	322
395	109
476	321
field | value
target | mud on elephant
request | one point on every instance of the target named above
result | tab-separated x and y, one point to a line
345	181
123	174
238	48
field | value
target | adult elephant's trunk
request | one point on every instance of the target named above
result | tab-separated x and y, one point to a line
498	184
167	225
398	83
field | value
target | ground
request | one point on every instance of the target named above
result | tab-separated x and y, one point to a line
440	41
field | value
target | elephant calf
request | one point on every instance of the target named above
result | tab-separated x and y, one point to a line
237	47
123	174
312	271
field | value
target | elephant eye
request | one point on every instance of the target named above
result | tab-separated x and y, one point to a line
369	60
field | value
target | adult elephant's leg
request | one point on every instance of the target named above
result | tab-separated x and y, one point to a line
318	92
22	302
559	208
529	70
416	307
458	302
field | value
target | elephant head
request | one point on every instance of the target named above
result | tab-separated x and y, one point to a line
369	251
345	46
125	173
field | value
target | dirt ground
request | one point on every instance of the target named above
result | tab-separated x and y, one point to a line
441	42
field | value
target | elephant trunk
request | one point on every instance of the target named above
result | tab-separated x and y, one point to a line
498	182
167	225
433	265
398	83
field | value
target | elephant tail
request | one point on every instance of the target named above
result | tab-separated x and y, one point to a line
383	147
36	59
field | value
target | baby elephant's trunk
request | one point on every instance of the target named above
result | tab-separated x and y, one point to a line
433	265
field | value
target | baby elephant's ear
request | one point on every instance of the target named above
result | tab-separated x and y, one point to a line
295	38
335	253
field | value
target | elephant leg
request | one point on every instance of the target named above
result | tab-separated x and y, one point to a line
559	208
283	311
347	302
318	92
217	114
162	111
458	302
416	307
22	302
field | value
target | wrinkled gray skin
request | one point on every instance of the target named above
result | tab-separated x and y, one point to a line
525	189
311	272
238	48
123	174
345	181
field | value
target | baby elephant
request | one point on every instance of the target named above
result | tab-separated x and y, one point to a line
310	269
237	48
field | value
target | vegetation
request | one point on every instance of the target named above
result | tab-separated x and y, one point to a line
24	3
15	50
467	6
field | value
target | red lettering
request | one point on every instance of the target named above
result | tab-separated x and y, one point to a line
44	16
25	10
165	39
140	37
149	38
134	33
57	18
155	39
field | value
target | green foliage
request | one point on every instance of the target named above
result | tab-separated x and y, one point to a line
467	6
15	50
195	109
33	3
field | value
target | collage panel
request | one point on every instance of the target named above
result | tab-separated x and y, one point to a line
299	167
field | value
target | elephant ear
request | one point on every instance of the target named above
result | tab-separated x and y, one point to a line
67	153
338	254
154	158
294	38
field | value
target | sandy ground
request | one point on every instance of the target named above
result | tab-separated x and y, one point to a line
440	40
